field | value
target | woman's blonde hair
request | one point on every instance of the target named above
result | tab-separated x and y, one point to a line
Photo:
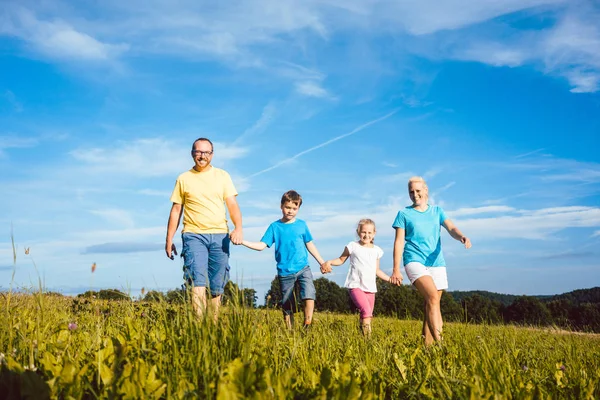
415	179
363	222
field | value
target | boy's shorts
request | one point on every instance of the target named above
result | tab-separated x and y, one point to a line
415	270
206	260
287	283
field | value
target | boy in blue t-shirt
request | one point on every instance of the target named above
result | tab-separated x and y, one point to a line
292	239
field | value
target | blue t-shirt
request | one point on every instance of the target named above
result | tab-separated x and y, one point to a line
422	235
290	245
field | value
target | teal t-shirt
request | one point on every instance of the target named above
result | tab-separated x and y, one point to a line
422	235
290	245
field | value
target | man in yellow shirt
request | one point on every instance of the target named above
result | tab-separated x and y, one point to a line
201	194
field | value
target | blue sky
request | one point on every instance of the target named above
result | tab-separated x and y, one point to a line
496	104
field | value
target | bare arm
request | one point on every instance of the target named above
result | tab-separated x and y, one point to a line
258	246
312	249
380	274
456	233
341	259
398	251
235	213
172	225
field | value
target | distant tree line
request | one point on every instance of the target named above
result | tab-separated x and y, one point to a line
578	310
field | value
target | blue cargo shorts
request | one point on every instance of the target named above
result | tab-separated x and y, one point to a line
206	260
304	278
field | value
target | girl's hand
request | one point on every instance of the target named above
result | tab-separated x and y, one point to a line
396	278
465	240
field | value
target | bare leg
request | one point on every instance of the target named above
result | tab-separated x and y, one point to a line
365	325
309	308
432	322
426	330
215	305
289	320
199	300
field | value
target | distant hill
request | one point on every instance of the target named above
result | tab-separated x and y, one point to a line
576	297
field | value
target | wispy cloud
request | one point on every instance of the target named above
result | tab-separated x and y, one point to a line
57	38
328	142
529	153
596	233
122	247
480	210
148	157
267	115
312	89
115	216
12	100
16	142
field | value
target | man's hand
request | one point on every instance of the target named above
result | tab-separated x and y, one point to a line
236	236
396	278
170	249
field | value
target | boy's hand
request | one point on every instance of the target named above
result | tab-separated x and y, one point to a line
465	240
326	267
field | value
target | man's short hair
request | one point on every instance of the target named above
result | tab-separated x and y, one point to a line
203	139
293	196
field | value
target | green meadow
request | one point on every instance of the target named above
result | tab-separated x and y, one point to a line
60	347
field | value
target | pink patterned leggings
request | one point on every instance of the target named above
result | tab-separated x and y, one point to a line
364	301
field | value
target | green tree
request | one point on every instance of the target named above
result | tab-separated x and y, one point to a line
481	309
528	310
154	295
331	297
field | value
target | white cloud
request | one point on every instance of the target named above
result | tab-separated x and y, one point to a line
15	142
480	210
57	38
12	100
596	233
538	225
312	89
260	125
149	157
116	217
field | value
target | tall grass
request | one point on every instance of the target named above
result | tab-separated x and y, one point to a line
88	348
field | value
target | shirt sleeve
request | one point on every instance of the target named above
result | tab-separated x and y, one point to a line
443	216
228	188
307	236
379	253
269	236
399	222
177	196
350	247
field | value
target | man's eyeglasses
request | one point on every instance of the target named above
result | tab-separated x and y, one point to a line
201	153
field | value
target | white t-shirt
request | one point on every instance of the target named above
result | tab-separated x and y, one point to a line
363	267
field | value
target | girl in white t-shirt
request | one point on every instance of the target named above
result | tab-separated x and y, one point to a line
364	268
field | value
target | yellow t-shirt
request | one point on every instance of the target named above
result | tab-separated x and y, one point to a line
202	195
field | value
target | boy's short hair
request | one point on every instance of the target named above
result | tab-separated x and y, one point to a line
293	196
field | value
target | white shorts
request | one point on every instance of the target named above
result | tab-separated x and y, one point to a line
415	270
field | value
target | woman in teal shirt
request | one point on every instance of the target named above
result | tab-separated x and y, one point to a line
418	243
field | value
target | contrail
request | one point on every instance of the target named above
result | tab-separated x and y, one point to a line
335	139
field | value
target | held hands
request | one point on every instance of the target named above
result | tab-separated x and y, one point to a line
236	236
396	278
465	240
170	249
326	267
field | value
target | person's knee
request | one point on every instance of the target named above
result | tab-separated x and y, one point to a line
433	300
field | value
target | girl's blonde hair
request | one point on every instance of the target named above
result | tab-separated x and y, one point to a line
363	222
417	179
